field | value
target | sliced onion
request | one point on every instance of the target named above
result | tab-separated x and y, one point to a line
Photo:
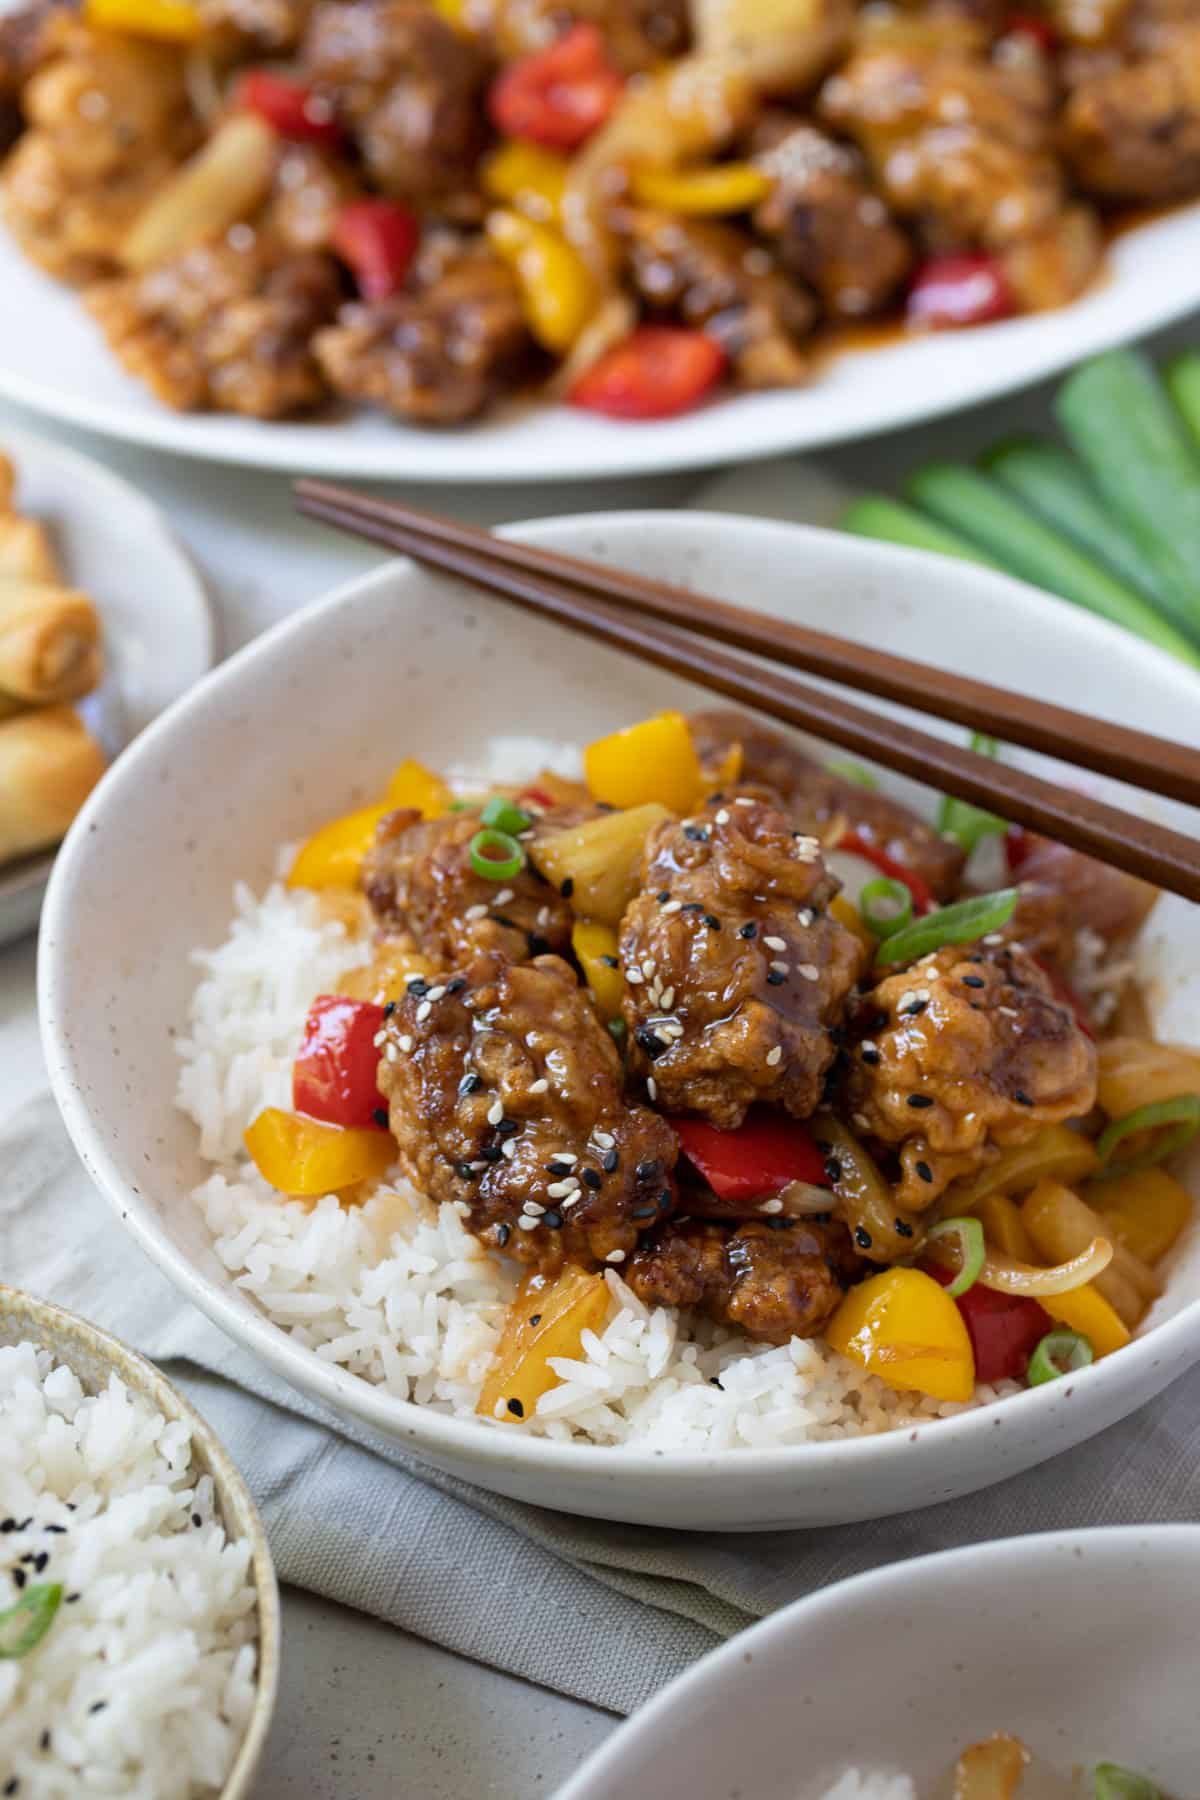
1010	1277
802	1198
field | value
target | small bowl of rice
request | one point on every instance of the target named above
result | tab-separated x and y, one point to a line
139	1614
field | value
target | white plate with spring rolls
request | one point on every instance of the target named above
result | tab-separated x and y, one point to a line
103	621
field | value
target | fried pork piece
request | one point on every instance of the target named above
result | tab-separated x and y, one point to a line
736	977
830	230
310	189
1134	133
440	353
109	119
269	24
505	1093
966	1052
418	878
226	325
409	86
638	34
1093	896
815	796
712	275
24	37
959	143
773	1281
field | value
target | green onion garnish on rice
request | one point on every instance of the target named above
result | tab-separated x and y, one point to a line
24	1625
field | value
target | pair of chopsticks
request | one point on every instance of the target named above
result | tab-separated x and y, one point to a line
682	632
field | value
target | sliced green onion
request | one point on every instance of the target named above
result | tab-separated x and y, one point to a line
24	1625
1182	1111
886	906
1059	1353
961	923
496	856
857	772
467	804
968	1235
968	825
1111	1782
502	815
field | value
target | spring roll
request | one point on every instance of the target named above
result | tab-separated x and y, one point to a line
49	764
49	642
26	553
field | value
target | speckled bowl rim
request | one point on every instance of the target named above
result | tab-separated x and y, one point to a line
65	1334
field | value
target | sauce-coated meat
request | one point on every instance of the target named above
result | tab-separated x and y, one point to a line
505	1093
736	976
774	1282
965	1051
638	34
1133	132
815	796
419	879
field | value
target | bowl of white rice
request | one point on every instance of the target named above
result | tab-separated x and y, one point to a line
1078	1644
176	971
139	1615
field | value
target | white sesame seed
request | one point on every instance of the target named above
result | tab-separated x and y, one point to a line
723	816
570	1200
652	1087
499	1410
771	1206
423	1011
543	917
649	964
861	1122
475	1167
672	906
392	1054
615	1256
435	993
775	943
806	915
667	999
1010	1012
906	1000
671	1028
503	897
525	1223
539	1087
781	968
565	1156
495	1112
870	1046
558	1190
775	1056
605	1139
633	976
808	971
379	1039
534	1208
405	1043
508	1148
994	937
743	800
475	912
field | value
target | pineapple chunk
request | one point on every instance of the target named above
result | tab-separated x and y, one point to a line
602	860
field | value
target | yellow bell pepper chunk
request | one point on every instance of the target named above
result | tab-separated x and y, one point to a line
528	177
722	188
1004	1228
547	1318
333	856
557	289
653	761
592	942
412	784
901	1326
175	21
1088	1312
1145	1211
306	1158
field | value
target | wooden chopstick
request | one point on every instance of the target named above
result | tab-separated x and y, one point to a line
1166	858
1123	754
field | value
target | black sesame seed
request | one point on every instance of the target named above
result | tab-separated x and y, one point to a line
418	987
610	1162
25	1523
558	1168
903	1228
592	1178
716	799
468	1085
610	962
503	1233
649	1170
833	1169
911	1012
380	1116
696	833
56	1528
536	1319
20	1577
97	1706
662	896
748	930
862	1237
72	1598
12	1784
665	1200
7	1525
197	1521
491	1153
552	1220
1022	1098
508	1128
29	1558
464	1171
514	1406
40	1561
508	924
389	1009
919	1101
975	981
712	921
457	985
651	1043
775	978
567	887
644	1212
538	945
44	1740
871	1058
692	906
924	1171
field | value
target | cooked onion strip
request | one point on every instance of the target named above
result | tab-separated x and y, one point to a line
1008	1276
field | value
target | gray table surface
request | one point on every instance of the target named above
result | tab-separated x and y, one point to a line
366	1712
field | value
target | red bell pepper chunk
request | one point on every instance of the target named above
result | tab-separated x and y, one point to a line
1004	1329
1038	31
922	894
658	371
290	107
755	1161
535	796
1066	995
959	290
1018	843
378	238
559	96
335	1078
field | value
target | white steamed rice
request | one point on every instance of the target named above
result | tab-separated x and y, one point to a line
398	1292
144	1684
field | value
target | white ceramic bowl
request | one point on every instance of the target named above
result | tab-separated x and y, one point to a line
306	722
1081	1643
94	1355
